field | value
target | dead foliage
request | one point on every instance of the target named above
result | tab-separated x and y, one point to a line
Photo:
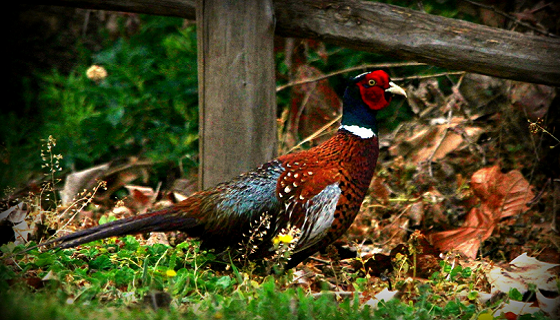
472	180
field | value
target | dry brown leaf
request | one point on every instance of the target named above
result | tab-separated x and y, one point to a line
501	195
467	239
157	237
480	90
416	213
141	198
534	99
312	105
426	96
76	182
438	140
116	174
379	190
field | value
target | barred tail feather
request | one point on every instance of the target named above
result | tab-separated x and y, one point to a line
164	220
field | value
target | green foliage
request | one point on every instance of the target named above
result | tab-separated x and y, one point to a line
146	106
113	278
514	294
148	100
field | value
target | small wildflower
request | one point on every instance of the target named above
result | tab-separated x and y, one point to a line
537	126
254	236
485	316
170	273
96	73
284	238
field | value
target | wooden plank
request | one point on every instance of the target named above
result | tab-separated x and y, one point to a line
237	99
413	35
393	31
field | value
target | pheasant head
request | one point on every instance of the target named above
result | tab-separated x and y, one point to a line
367	94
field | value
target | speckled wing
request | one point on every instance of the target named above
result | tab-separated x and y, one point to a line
319	216
301	181
310	192
227	211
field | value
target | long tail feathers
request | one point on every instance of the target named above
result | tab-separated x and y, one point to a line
170	219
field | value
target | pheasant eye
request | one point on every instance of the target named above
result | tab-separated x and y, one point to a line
371	82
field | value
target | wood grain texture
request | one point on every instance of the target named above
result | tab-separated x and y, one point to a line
237	98
412	35
393	31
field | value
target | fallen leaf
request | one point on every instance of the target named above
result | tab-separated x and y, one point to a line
14	214
78	181
550	306
426	96
519	274
117	174
14	217
480	90
517	308
22	232
536	272
501	195
416	213
157	237
383	295
140	198
49	276
421	143
534	99
478	226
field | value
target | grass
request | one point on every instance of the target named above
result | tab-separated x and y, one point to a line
91	281
126	279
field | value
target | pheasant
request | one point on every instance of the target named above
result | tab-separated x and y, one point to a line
318	191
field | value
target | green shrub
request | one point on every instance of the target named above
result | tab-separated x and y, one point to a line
146	106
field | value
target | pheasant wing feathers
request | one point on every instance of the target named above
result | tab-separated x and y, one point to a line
310	192
319	216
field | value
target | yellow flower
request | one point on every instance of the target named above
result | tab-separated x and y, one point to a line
285	238
170	273
485	316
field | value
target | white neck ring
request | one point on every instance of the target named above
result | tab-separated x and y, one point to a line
364	133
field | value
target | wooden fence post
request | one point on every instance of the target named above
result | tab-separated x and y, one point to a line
237	98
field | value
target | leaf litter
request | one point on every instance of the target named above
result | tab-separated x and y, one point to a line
459	191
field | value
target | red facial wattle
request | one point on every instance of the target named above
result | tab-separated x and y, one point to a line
374	97
377	90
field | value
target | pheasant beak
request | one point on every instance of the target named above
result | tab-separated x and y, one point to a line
394	89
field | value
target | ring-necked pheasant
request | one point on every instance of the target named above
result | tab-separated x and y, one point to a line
319	190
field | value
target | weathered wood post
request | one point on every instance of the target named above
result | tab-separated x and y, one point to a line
237	99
